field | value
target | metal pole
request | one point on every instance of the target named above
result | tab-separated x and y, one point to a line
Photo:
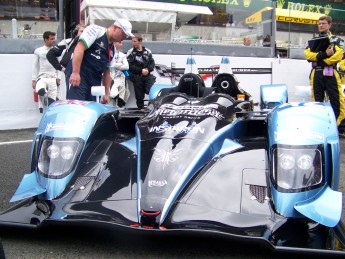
274	29
60	31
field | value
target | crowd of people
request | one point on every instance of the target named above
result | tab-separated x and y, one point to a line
93	56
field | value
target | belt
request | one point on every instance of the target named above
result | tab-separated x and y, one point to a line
322	67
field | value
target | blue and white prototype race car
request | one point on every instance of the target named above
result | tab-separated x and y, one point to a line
197	159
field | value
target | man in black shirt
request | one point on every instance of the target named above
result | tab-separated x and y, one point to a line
65	49
141	64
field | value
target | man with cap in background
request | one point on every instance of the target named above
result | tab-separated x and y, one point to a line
91	58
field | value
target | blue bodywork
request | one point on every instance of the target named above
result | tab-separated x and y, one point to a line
305	124
63	119
273	95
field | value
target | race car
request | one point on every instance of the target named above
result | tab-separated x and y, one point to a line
197	159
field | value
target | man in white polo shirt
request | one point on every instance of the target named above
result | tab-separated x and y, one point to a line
44	75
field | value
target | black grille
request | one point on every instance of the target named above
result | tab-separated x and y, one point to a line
259	192
82	181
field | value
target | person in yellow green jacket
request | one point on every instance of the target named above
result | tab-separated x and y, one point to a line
324	77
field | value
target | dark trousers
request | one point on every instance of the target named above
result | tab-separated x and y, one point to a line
142	86
332	86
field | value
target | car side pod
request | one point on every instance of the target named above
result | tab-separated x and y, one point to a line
320	209
304	160
28	187
273	95
58	143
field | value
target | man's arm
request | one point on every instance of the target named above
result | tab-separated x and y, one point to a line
106	82
131	62
52	56
78	56
337	53
342	65
151	63
35	69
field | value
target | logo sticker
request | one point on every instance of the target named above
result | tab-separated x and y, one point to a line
166	157
157	183
170	110
168	128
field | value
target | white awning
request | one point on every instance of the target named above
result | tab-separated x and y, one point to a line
95	11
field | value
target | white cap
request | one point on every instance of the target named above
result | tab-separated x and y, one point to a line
125	25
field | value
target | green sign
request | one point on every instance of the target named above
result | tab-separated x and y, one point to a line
335	10
233	4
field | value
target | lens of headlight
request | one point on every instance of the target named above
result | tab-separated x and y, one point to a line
287	161
296	168
57	156
67	152
53	151
305	162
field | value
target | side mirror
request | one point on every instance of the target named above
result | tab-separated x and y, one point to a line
98	91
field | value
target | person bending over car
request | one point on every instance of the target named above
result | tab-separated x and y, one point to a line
91	58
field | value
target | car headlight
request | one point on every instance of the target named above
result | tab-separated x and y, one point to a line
58	156
297	168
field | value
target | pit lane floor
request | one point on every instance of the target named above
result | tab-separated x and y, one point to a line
74	242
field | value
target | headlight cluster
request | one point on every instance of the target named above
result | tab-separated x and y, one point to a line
296	168
58	156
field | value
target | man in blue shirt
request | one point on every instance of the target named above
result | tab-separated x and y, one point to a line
91	57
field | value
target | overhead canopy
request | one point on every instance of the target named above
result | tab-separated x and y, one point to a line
144	15
285	15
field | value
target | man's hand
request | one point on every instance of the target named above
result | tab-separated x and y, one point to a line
74	80
144	71
33	84
105	99
329	51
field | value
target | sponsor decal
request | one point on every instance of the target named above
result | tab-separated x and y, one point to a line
166	157
157	183
208	72
170	110
308	7
296	20
101	45
77	102
62	126
168	128
96	56
281	135
98	51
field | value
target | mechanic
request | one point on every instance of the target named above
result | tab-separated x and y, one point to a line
141	64
324	76
44	76
91	59
119	92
